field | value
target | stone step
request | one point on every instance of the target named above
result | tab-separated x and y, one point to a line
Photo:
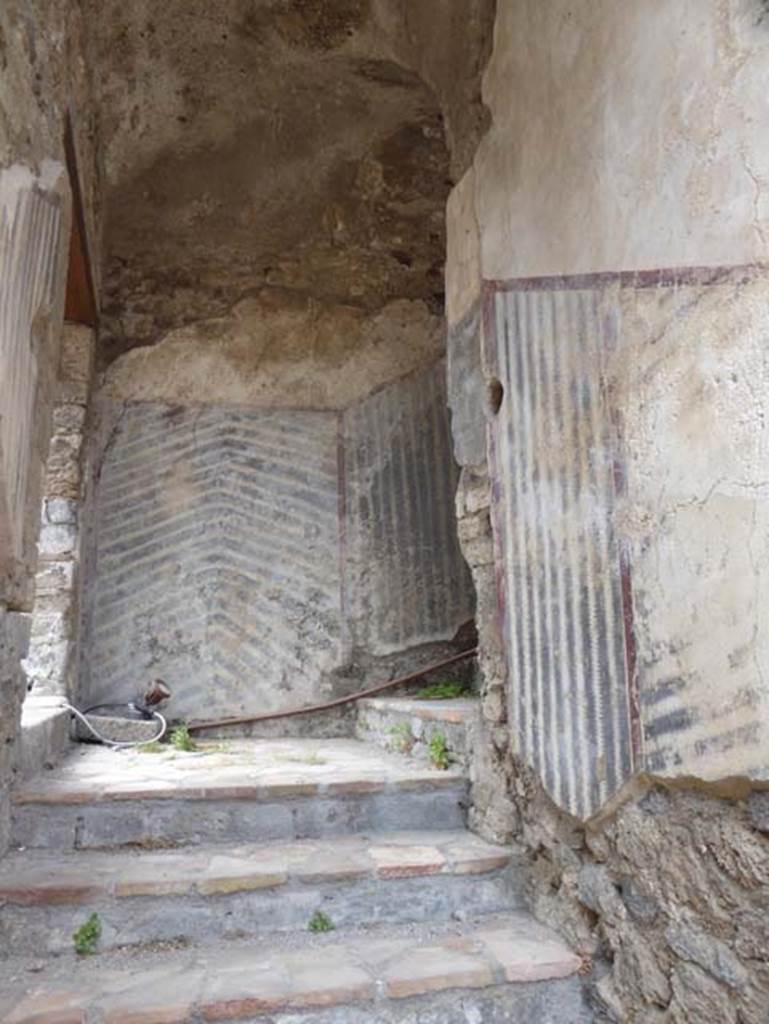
503	971
407	726
206	894
237	791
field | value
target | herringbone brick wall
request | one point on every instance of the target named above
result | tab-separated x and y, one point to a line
243	555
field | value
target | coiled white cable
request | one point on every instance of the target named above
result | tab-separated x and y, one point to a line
118	744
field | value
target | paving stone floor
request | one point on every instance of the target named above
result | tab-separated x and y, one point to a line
228	767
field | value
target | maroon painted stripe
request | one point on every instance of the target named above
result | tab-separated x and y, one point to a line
342	513
626	590
663	277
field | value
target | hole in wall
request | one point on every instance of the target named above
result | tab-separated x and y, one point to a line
495	394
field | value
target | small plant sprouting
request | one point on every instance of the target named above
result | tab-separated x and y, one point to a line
181	739
401	738
153	747
311	758
438	750
448	690
87	936
320	922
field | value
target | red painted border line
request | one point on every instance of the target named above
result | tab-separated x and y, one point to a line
619	479
662	277
341	478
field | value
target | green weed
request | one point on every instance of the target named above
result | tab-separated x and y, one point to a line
87	936
401	738
438	751
181	739
320	922
449	690
307	759
153	747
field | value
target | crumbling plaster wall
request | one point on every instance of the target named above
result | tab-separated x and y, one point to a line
43	76
280	349
624	165
310	158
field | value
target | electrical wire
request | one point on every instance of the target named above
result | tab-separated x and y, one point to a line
312	709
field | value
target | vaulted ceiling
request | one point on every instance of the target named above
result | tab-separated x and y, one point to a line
301	145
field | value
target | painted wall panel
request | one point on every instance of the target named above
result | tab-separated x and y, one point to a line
630	462
554	469
30	283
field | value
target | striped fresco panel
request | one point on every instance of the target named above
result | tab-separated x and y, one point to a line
217	558
407	582
30	236
554	479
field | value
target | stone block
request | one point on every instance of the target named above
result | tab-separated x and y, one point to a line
229	874
407	861
598	893
178	1013
467	389
63	472
73	392
44	736
50	627
327	979
57	1008
47	664
493	705
530	954
420	971
57	540
472	527
639	906
76	353
68	418
640	966
54	578
708	953
477	496
61	511
698	997
479	552
55	893
758	808
127	888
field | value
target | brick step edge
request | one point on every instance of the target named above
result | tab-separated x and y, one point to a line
87	876
244	985
56	793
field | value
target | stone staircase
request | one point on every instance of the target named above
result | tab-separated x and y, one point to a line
410	726
270	881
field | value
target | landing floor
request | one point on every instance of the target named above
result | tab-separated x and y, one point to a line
237	768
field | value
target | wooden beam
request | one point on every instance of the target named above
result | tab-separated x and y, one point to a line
80	306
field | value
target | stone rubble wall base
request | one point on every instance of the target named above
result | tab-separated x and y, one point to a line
52	659
667	895
14	636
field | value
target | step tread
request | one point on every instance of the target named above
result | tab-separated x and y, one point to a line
455	712
236	985
44	877
232	770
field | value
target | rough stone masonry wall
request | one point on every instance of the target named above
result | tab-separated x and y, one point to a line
51	664
666	884
42	77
